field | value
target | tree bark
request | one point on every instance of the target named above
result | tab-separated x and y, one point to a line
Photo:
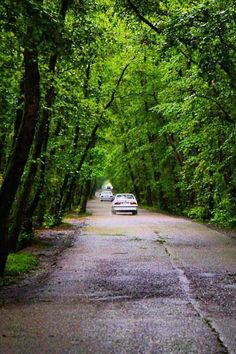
85	195
21	149
142	18
68	186
40	137
23	199
19	112
171	141
72	182
2	150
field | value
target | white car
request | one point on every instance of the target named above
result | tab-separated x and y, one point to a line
106	196
124	203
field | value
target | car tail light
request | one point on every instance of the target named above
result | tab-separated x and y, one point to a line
117	203
133	203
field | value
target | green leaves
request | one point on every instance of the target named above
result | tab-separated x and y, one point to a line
169	134
175	118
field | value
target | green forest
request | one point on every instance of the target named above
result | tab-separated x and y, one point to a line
142	93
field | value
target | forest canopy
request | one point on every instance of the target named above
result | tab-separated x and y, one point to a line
139	92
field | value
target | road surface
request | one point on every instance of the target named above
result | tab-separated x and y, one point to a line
149	283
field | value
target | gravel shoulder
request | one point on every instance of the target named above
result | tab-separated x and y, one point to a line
49	247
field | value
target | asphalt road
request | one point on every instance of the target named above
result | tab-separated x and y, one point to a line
131	284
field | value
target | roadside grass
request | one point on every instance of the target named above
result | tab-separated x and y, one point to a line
150	208
155	209
62	226
18	264
83	215
226	228
76	214
21	263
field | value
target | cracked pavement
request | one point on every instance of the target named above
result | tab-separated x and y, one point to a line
149	283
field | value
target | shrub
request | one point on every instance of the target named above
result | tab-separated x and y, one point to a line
197	213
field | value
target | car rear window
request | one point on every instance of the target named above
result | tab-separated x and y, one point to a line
125	196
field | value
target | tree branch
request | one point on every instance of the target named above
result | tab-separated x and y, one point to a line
116	87
223	41
142	18
226	114
90	144
187	56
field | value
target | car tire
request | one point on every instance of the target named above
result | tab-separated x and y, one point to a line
113	212
135	212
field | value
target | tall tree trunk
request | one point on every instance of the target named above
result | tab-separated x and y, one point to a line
68	186
171	141
72	182
28	220
131	173
87	187
23	199
2	150
28	224
19	112
66	178
21	150
40	137
85	196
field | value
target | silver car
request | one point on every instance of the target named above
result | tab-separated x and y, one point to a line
124	203
106	196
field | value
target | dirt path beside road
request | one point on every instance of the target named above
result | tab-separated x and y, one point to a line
131	284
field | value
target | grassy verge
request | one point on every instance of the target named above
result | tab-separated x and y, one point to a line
224	228
76	215
157	210
18	264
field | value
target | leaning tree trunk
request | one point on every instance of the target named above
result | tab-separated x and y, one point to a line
40	137
63	188
50	97
23	199
68	185
21	150
72	183
2	152
37	199
19	112
85	196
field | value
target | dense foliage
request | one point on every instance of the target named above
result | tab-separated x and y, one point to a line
174	123
141	92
